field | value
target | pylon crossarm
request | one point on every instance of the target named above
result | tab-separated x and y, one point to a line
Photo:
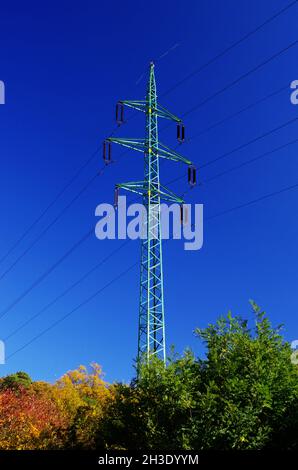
164	113
137	187
167	195
134	144
140	145
132	184
165	152
140	187
135	104
142	105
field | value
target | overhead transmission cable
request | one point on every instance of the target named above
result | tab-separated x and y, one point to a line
18	241
240	78
231	47
102	170
52	203
168	91
67	290
236	81
82	304
79	281
42	277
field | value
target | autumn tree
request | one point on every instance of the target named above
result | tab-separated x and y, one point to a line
242	394
28	421
39	415
15	381
82	396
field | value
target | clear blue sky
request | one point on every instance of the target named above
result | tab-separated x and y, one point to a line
65	64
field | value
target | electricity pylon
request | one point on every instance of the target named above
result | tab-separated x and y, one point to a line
151	335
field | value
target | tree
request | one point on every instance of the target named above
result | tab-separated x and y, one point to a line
155	411
82	397
248	384
28	421
15	381
38	415
242	395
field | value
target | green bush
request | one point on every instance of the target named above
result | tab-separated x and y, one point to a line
243	395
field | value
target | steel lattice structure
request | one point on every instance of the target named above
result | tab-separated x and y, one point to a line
151	333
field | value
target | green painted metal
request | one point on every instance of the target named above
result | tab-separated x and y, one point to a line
151	333
140	145
160	111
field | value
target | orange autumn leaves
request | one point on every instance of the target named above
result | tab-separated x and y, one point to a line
27	419
38	415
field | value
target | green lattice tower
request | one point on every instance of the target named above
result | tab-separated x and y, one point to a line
151	333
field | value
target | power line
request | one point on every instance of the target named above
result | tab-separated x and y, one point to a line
176	179
56	198
239	79
27	291
251	71
222	53
234	82
250	106
68	184
254	201
242	146
82	304
254	159
56	264
235	208
196	71
46	273
102	170
188	112
66	291
228	49
222	213
237	113
54	221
